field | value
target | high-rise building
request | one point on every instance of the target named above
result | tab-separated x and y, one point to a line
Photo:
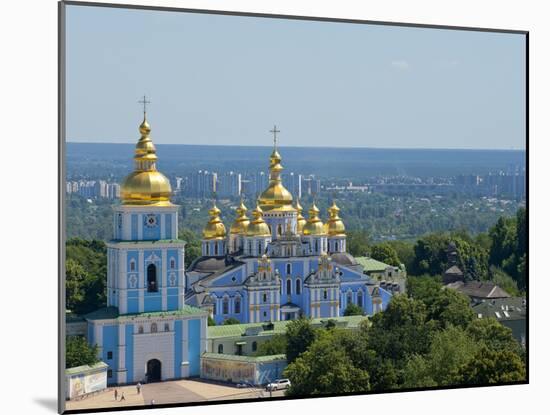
229	184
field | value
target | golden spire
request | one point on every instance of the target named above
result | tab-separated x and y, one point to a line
335	225
301	221
258	227
214	229
241	221
145	185
276	196
314	225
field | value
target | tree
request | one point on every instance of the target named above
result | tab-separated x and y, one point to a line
405	252
503	241
231	320
74	284
490	332
504	281
325	369
490	366
450	308
385	253
424	288
430	255
211	321
300	335
277	344
353	310
78	352
357	242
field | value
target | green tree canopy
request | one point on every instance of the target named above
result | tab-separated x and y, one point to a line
353	310
357	242
277	344
489	366
231	320
300	335
78	352
385	253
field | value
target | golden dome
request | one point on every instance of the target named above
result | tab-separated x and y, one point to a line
145	185
258	227
334	225
214	229
241	221
276	196
314	225
301	221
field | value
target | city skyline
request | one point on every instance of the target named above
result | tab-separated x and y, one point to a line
390	87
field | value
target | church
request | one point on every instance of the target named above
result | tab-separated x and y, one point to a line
278	265
147	332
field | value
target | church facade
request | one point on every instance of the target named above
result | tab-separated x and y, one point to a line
278	265
147	332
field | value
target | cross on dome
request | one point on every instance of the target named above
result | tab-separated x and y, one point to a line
144	101
274	131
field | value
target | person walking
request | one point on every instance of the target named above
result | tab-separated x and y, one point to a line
152	401
116	394
138	387
122	398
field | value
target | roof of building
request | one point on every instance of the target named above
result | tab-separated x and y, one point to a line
86	368
210	264
479	289
109	313
279	327
370	264
343	258
454	270
247	359
513	308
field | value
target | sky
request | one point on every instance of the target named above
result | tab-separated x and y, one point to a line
226	80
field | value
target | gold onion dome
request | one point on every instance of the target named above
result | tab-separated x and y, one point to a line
258	227
145	185
241	221
314	225
276	196
214	229
334	225
301	221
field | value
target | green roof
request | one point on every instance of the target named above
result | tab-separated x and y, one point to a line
248	359
279	327
85	368
369	264
109	313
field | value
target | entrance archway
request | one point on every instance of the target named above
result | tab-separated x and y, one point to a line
153	370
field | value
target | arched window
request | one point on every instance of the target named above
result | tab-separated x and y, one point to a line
154	328
325	294
289	286
265	298
360	298
288	269
166	327
349	299
254	346
336	246
298	286
172	263
316	245
215	249
214	307
220	348
237	305
207	249
225	306
250	247
152	278
259	248
279	230
140	330
132	265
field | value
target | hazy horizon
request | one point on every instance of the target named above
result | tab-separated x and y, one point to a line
214	79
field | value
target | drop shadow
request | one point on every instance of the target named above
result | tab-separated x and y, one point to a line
48	403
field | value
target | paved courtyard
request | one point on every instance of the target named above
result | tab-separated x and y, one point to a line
178	391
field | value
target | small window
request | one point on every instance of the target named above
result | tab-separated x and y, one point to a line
214	308
237	305
109	355
140	330
110	373
298	287
220	348
215	249
225	304
254	346
350	301
289	287
288	269
132	265
166	327
265	298
325	294
152	285
336	246
154	328
265	313
172	263
360	298
207	249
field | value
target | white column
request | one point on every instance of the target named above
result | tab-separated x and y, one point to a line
140	226
141	280
164	279
162	226
181	278
184	349
174	226
121	372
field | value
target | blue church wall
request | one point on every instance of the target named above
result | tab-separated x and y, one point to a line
134	230
227	279
133	301
194	336
168	226
152	302
110	341
325	309
172	300
150	234
265	312
129	357
368	305
177	348
386	297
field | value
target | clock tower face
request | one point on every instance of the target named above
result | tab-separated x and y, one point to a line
151	221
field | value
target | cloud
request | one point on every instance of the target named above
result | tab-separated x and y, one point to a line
401	64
